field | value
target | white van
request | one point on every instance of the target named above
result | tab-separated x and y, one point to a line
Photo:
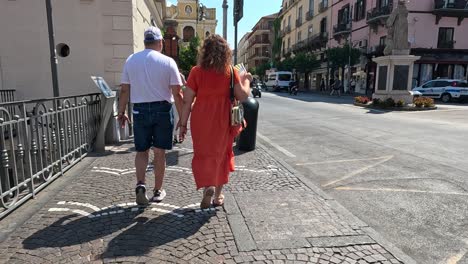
279	80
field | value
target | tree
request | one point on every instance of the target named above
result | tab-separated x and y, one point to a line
188	56
286	65
339	56
277	40
305	63
261	69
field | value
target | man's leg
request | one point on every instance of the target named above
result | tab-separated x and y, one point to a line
141	163
159	167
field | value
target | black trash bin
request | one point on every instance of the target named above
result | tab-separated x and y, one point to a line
248	137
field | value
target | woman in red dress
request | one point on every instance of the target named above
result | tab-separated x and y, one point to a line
212	134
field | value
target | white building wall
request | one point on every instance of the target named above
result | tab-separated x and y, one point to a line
101	35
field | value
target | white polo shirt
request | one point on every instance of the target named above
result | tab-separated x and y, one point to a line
150	75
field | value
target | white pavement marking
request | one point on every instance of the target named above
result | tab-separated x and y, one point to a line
105	171
59	209
278	147
81	212
338	161
354	173
111	169
95	208
166	212
344	188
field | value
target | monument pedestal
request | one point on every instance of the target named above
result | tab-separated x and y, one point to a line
394	77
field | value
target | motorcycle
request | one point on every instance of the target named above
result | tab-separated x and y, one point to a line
293	89
257	90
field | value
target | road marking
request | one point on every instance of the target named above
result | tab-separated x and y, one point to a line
344	188
354	173
284	151
338	161
95	208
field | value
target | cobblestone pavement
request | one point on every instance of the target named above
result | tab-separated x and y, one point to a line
270	216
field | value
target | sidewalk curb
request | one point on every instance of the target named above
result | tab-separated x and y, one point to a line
398	253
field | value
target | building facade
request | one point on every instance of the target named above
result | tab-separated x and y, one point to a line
305	28
435	33
189	19
93	37
242	51
259	42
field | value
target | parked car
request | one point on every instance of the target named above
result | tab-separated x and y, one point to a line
444	89
278	81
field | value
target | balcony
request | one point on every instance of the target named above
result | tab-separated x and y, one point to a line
323	6
298	22
379	15
458	9
309	15
7	96
259	42
341	29
446	44
315	42
377	50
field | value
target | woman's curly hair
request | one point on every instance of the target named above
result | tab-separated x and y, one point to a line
215	54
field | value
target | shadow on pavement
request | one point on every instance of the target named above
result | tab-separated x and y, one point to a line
137	235
317	97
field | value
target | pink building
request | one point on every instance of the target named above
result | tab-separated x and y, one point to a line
437	33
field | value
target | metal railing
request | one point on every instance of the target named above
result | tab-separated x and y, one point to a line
323	6
457	4
40	140
342	28
7	96
447	44
309	15
379	12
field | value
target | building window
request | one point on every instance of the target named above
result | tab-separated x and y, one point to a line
188	33
289	20
445	40
360	10
299	36
323	25
343	15
311	8
299	15
188	10
289	43
382	3
383	41
207	34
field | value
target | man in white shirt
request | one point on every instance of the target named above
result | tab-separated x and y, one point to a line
152	82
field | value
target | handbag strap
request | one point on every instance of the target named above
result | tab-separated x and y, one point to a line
231	85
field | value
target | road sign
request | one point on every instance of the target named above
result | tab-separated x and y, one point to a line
238	10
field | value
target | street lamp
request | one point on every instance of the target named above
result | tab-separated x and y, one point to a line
53	53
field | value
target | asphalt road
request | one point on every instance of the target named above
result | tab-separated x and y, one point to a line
403	173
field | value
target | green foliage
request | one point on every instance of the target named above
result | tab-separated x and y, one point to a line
400	103
277	41
188	56
286	65
302	62
261	69
389	102
305	62
339	56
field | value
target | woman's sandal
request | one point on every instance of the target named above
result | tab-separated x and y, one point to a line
207	196
219	201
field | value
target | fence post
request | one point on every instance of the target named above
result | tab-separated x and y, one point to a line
106	112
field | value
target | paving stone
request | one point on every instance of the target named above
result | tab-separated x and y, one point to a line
168	232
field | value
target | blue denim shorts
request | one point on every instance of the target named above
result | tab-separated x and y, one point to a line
153	124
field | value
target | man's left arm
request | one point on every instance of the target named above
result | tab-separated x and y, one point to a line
175	85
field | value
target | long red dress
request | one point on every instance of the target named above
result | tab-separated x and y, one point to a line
212	134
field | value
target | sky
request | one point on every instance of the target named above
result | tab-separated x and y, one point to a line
253	11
